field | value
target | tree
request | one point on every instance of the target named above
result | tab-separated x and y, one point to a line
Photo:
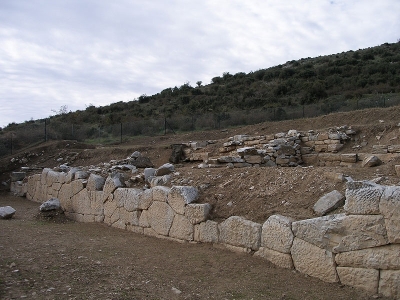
199	83
62	111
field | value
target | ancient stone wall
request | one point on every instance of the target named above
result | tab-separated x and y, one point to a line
360	247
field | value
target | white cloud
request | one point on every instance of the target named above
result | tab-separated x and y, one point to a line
76	52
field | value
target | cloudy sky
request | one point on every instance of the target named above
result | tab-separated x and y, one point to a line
82	52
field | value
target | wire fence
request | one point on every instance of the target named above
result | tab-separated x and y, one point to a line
32	133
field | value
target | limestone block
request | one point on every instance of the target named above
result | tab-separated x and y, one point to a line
181	228
143	219
389	207
110	207
389	283
18	188
329	157
31	186
51	204
397	169
371	161
81	175
321	148
385	258
310	159
328	141
119	223
366	279
313	261
349	158
246	151
7	212
334	147
81	203
362	197
282	160
226	149
322	136
70	176
77	186
64	195
95	183
206	232
148	174
341	233
237	231
335	177
253	159
393	148
96	202
113	182
379	149
165	169
180	196
145	199
277	233
328	202
197	213
281	260
334	136
129	217
160	193
160	180
54	177
160	217
230	159
127	198
252	143
135	229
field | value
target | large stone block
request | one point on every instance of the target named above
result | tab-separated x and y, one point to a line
145	199
341	233
362	197
113	182
282	260
160	193
277	233
127	198
389	207
367	279
385	258
237	231
81	203
314	261
389	283
129	217
197	213
95	183
96	202
180	196
328	202
181	228
160	217
31	187
206	232
143	219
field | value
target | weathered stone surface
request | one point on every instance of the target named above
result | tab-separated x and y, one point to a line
367	279
179	196
70	176
362	197
160	193
181	228
277	233
160	217
389	207
328	202
197	213
165	169
379	149
95	182
371	161
145	199
247	151
341	233
230	159
350	158
253	159
148	174
51	204
143	219
313	261
389	283
385	257
240	232
129	217
282	260
160	180
81	175
127	198
7	212
81	203
334	147
113	182
142	162
18	188
397	169
206	232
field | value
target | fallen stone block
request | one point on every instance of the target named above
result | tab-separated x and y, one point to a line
7	212
165	169
51	204
328	203
371	161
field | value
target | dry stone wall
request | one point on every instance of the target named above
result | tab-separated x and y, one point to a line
360	247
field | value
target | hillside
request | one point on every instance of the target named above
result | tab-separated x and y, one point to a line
296	89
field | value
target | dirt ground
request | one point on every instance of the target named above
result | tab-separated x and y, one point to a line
60	259
67	260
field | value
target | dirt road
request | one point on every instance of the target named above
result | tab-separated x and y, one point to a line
61	259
